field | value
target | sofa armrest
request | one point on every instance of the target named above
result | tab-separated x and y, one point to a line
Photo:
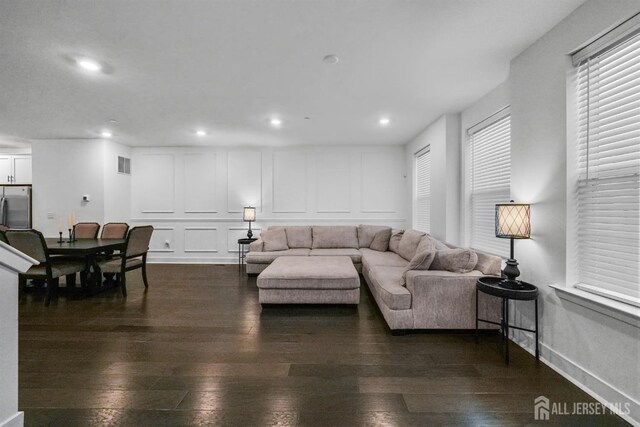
446	300
256	246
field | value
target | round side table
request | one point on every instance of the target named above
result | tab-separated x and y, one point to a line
242	250
508	290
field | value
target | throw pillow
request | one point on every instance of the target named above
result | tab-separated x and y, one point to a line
367	233
409	243
274	240
381	240
394	241
456	260
490	265
425	253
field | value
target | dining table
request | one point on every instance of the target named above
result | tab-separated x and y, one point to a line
89	250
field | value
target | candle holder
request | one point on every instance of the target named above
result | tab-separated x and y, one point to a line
72	238
60	239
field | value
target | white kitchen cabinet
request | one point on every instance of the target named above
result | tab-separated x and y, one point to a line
15	169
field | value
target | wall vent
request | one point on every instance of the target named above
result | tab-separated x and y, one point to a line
124	165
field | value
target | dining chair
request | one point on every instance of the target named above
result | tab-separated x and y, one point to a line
86	230
3	237
32	243
133	256
114	230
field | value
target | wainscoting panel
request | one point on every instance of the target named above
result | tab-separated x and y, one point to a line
289	182
333	177
162	239
381	179
157	179
201	239
200	183
244	180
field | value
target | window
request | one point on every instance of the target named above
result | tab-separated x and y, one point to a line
423	190
124	165
607	190
490	142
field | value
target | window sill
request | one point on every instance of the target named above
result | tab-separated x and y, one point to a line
618	310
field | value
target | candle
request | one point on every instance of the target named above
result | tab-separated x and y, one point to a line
73	217
70	221
60	225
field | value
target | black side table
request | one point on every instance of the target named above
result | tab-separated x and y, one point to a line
508	290
242	250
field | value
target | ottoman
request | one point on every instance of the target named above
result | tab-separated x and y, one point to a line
310	280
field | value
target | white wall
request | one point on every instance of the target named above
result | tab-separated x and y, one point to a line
117	186
64	171
194	196
443	137
595	350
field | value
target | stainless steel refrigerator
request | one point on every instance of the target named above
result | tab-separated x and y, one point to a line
15	206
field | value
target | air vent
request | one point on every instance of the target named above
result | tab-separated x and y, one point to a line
124	165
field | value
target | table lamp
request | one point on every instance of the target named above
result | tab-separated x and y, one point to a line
249	215
513	222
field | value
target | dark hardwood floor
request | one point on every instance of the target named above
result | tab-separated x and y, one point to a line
197	349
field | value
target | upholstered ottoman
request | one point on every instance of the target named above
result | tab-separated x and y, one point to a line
310	280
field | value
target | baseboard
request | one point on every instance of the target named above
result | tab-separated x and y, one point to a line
193	260
16	420
588	382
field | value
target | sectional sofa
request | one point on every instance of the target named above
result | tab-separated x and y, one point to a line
417	281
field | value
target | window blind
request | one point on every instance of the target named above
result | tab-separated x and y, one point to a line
423	190
607	193
490	182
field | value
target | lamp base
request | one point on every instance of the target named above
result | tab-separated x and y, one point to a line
249	234
511	269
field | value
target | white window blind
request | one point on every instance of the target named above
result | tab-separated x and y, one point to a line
423	190
490	181
607	194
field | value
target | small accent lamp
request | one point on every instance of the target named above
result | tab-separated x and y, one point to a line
513	222
249	215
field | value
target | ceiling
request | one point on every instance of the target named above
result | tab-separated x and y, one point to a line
174	66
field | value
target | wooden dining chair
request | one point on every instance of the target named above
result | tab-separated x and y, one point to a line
32	243
86	230
133	256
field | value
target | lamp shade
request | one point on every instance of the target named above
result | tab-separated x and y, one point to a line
513	221
249	214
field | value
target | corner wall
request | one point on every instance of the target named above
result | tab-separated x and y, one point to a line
443	136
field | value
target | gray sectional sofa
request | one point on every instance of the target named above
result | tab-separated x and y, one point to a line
417	281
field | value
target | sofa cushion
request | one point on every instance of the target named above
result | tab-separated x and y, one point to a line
394	241
440	245
269	257
298	236
387	282
354	254
409	243
333	237
274	240
368	233
380	242
425	253
456	260
490	265
374	258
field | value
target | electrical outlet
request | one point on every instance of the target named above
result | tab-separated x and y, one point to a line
167	244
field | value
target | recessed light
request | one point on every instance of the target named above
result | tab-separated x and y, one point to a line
201	132
330	59
106	134
89	64
384	121
275	122
113	121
